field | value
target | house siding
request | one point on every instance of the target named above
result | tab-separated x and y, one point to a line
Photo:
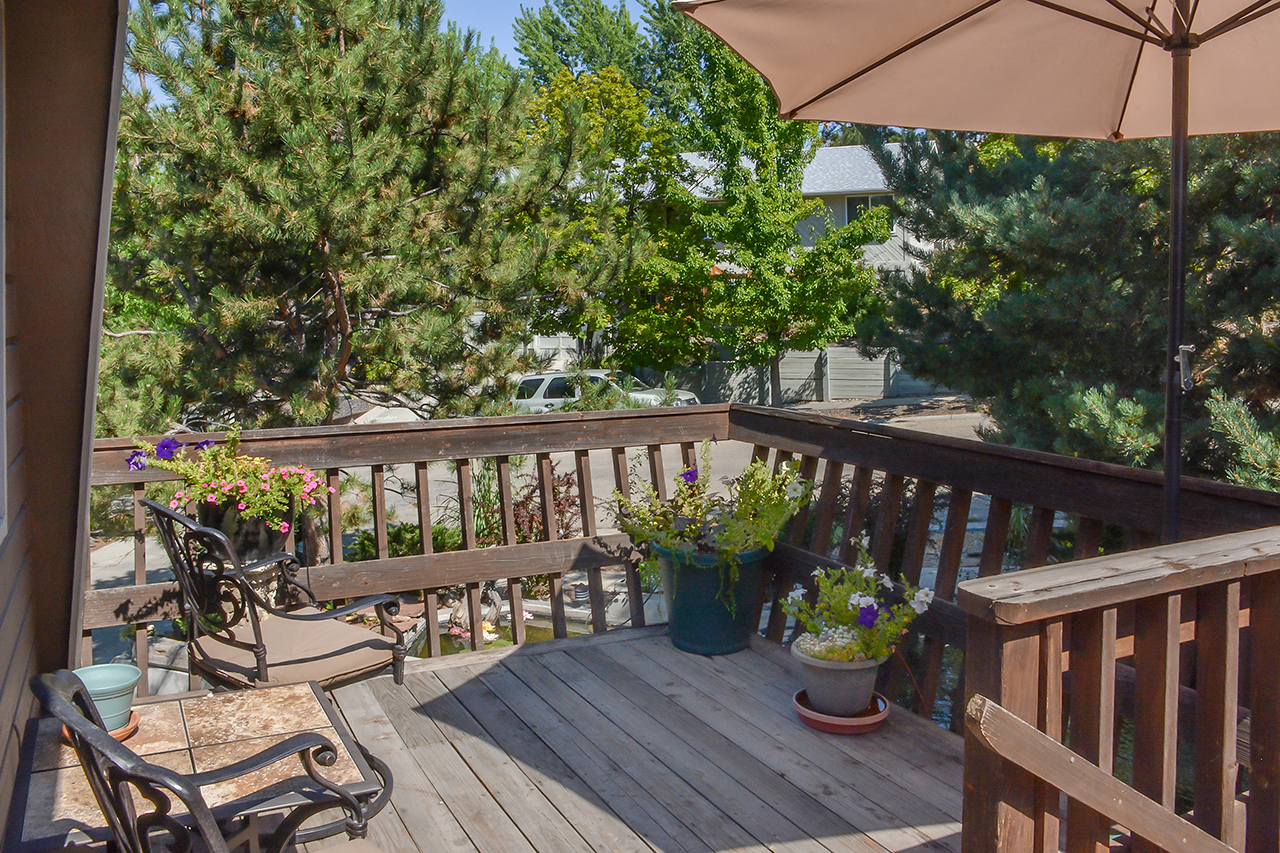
61	66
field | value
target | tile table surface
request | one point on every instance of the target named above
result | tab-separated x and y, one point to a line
194	735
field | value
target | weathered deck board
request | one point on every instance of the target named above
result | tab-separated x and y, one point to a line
630	746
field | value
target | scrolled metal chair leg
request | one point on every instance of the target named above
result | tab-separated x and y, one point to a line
370	809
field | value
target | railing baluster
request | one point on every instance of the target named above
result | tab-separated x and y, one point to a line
1263	818
689	454
760	453
141	651
824	520
333	476
799	525
587	508
995	539
622	483
507	509
621	472
1038	538
1002	663
1156	646
944	586
467	520
887	521
422	485
466	509
380	511
475	616
856	514
1217	683
918	530
1093	695
430	599
1047	818
1088	538
656	475
546	487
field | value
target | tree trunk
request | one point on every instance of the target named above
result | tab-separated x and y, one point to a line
775	380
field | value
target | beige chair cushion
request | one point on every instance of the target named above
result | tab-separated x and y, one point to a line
329	651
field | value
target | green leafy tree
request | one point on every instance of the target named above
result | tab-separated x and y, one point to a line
315	201
772	293
1045	293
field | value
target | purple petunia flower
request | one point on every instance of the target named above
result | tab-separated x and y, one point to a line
167	448
137	460
690	476
868	615
207	443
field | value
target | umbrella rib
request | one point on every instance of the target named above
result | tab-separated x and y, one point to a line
1151	23
1246	15
1100	22
1128	93
894	55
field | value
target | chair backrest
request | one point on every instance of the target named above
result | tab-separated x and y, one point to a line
118	777
207	569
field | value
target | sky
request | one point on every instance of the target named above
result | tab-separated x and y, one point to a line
493	19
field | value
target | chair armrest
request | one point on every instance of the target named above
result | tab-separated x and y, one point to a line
337	612
325	754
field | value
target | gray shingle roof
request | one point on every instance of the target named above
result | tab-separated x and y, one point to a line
844	170
840	170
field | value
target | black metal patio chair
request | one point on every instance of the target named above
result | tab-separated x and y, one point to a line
236	637
177	814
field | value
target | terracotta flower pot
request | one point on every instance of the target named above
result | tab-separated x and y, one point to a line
838	688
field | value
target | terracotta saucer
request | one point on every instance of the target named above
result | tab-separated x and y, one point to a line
859	724
121	734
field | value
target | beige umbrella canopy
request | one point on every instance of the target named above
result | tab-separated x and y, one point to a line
1097	69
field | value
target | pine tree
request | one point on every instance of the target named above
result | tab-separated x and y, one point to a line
1045	294
318	200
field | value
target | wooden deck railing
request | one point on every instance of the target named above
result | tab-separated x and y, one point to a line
1167	655
879	482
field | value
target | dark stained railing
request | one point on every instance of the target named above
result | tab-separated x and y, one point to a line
876	483
1173	646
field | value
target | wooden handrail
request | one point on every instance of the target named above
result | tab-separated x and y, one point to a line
1033	595
1020	743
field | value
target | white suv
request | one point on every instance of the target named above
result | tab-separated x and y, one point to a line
546	392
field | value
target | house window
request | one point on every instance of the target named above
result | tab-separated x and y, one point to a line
856	205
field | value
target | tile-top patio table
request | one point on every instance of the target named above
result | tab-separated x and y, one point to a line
193	735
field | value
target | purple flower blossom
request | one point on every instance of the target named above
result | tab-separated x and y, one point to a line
690	476
207	443
137	460
167	448
868	615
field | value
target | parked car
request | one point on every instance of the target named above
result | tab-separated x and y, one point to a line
546	392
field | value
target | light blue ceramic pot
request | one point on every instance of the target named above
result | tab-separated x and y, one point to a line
111	687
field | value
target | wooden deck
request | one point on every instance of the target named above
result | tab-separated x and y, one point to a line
621	744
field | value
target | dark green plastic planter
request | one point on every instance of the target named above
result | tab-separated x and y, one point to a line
697	620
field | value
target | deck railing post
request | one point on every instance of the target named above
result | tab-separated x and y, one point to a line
1002	663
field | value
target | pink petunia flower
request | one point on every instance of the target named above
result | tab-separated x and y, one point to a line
240	505
173	504
213	499
284	527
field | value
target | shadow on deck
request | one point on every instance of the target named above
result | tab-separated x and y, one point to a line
622	744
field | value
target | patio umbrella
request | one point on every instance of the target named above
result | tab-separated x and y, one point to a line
1095	69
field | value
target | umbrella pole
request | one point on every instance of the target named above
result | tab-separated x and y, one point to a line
1177	291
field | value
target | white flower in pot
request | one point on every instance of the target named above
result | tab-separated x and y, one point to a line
850	632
